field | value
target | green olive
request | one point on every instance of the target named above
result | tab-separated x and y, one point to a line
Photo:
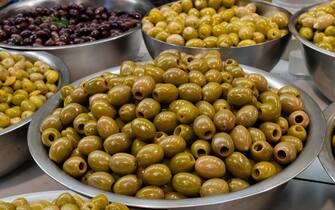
241	138
166	121
165	93
238	165
182	162
200	148
172	145
210	167
222	145
127	185
150	192
204	127
157	174
148	108
186	183
122	163
213	187
143	129
263	170
150	154
236	184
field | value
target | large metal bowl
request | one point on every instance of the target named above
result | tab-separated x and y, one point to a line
37	196
263	56
231	200
88	58
319	62
326	155
13	140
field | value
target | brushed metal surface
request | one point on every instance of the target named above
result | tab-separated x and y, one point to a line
310	152
263	56
13	139
88	58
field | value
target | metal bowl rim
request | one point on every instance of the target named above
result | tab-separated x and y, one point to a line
226	48
326	155
295	33
64	79
35	196
96	42
302	162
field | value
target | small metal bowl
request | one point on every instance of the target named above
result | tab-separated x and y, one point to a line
88	58
263	56
13	139
236	200
326	155
319	62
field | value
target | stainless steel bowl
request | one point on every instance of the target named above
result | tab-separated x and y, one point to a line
88	58
319	62
13	140
326	155
37	196
254	195
263	56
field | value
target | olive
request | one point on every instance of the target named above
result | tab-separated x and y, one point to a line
204	127
186	183
182	162
172	145
238	165
222	145
213	187
210	167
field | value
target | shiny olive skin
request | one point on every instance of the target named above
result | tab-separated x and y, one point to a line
148	108
270	106
199	65
101	180
211	91
160	135
127	112
197	77
174	196
166	121
128	130
204	127
222	145
236	184
95	85
205	108
157	174
210	167
240	96
186	132
127	185
272	131
182	162
256	134
200	148
238	165
178	104
297	131
122	163
241	138
190	92
150	154
143	129
106	126
119	95
97	96
290	103
263	170
261	151
99	160
221	104
89	144
150	192
102	108
80	121
299	118
186	183
79	95
136	146
119	142
283	123
165	93
213	76
213	187
175	76
247	116
284	153
187	114
49	135
294	140
224	120
259	80
70	112
143	87
172	145
75	166
60	150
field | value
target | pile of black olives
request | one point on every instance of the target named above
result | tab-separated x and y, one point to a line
178	126
64	201
64	25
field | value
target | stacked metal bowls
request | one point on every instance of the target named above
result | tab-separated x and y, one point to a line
88	58
263	56
13	139
235	200
319	62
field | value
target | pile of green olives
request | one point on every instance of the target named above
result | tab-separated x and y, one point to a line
213	24
24	87
64	201
317	25
175	127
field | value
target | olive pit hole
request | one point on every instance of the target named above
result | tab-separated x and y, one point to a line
299	119
258	147
189	59
81	166
178	131
159	135
140	114
281	154
51	137
81	126
229	61
201	152
208	134
138	95
276	133
224	150
257	172
155	94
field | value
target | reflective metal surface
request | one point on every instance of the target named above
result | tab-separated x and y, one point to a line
13	139
263	56
237	200
37	196
319	62
88	58
326	156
